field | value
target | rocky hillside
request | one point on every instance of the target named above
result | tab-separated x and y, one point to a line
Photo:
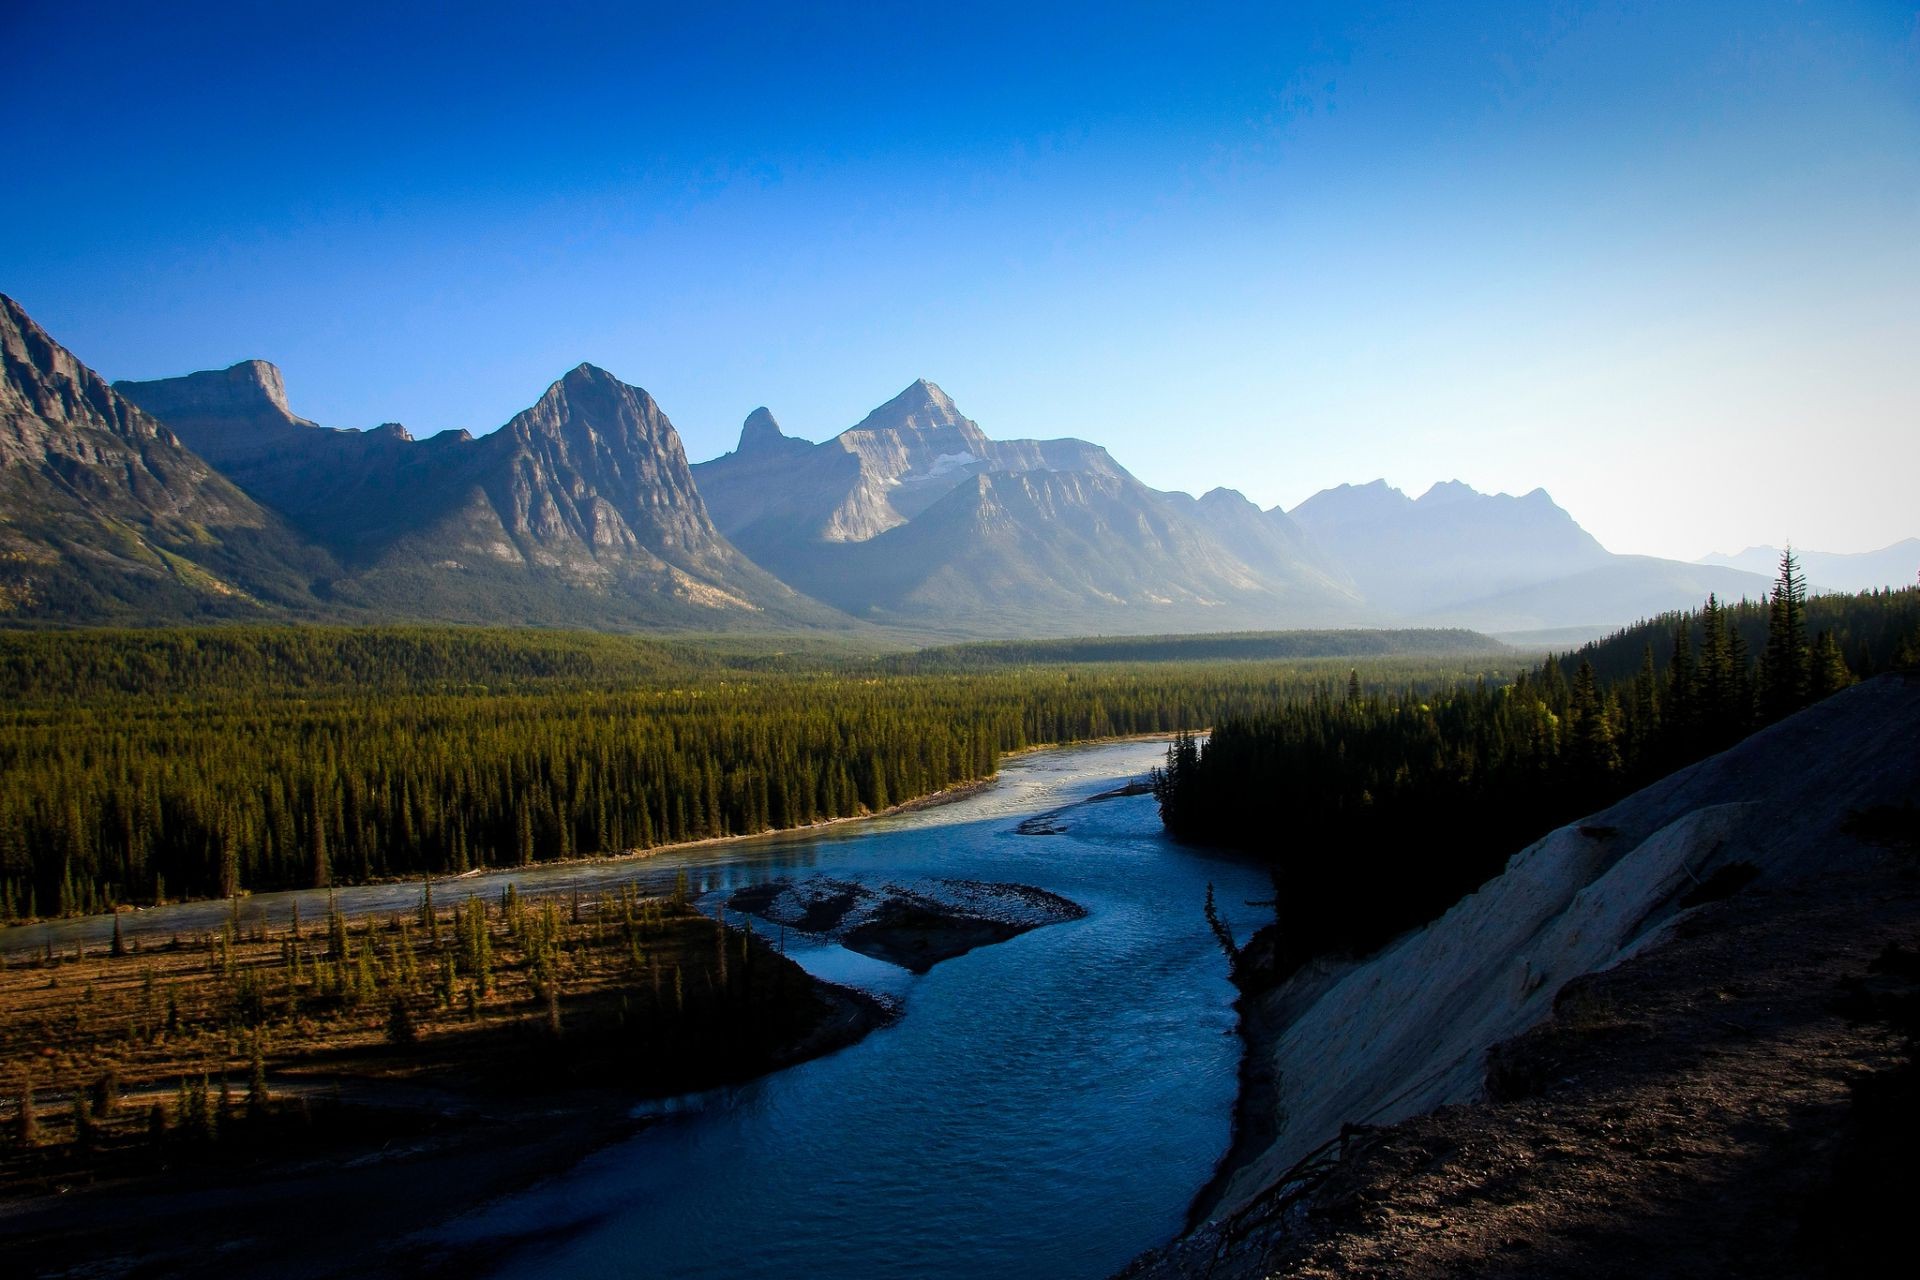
1629	1054
582	509
106	516
914	515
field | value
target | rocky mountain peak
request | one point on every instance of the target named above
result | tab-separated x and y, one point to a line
42	386
245	390
930	395
1445	491
921	406
761	430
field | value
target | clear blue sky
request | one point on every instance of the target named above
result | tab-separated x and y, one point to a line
1661	258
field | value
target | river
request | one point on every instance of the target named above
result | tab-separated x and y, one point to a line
1044	1107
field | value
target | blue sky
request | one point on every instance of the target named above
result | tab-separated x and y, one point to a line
1662	258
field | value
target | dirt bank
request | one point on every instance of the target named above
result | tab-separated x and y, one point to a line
1644	1053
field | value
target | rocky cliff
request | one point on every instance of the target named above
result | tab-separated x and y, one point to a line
915	515
105	515
582	509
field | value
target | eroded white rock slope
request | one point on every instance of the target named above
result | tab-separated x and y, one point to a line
1408	1030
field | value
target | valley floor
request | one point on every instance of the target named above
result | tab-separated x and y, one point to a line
297	1104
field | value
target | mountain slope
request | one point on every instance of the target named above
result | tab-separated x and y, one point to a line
1637	1044
891	466
582	510
1055	552
1451	544
915	514
353	491
106	516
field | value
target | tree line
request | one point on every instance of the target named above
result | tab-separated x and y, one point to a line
1378	810
130	796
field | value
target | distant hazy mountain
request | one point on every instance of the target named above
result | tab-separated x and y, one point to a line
106	516
1596	601
1894	566
580	510
1411	556
915	515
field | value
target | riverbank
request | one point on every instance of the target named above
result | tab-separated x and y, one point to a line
236	1090
1672	1039
19	937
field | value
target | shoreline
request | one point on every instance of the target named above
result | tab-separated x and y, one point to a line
12	945
387	1143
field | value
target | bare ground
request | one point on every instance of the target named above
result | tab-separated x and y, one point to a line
1735	1101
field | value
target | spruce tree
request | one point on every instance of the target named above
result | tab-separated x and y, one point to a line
1591	752
1827	672
27	1119
1681	718
1785	663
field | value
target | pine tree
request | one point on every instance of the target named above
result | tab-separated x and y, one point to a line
1643	724
257	1096
1591	752
83	1126
400	1027
27	1120
106	1093
1785	674
1827	672
1682	703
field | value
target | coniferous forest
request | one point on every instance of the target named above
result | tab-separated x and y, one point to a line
1378	810
142	766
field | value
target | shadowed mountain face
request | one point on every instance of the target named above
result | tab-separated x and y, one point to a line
106	516
916	515
580	510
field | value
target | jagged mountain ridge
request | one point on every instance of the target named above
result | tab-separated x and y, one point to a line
1451	544
582	509
891	466
1061	551
105	516
915	514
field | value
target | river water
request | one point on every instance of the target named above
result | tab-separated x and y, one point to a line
1044	1107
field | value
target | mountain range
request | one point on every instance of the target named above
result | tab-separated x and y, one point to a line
207	496
1894	566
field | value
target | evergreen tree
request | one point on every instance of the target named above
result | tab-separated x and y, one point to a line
1591	753
1827	672
27	1119
1682	702
1785	676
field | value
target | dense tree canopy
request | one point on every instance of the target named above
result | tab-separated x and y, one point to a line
147	765
1379	810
